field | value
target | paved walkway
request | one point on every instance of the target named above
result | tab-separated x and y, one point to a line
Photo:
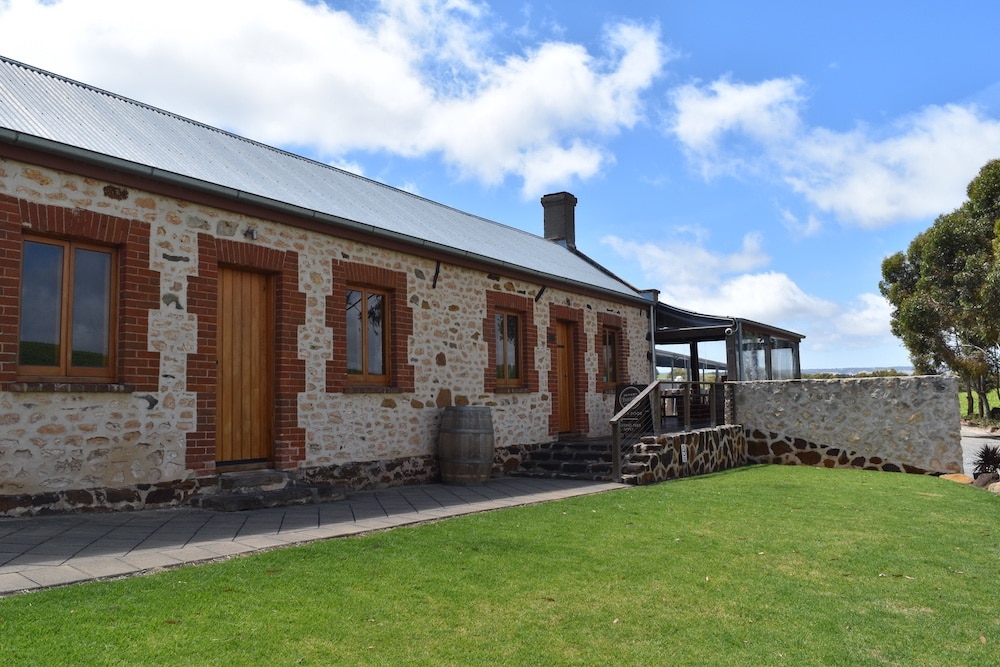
39	552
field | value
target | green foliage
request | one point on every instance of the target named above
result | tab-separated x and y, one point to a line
945	289
987	460
768	565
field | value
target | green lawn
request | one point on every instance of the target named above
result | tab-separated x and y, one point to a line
769	565
992	400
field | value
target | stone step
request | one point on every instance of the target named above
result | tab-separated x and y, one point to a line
264	480
260	499
257	489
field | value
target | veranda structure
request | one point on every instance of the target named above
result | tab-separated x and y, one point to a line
754	351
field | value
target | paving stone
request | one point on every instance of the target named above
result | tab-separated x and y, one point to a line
51	551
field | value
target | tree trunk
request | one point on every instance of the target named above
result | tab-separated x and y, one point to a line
983	400
968	397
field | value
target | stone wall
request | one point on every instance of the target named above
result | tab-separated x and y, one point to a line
142	442
906	424
662	457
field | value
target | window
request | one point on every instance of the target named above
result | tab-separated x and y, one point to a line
367	336
609	355
507	326
67	327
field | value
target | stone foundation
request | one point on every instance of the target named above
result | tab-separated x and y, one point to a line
775	448
137	497
368	475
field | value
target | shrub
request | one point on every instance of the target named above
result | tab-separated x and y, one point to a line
987	460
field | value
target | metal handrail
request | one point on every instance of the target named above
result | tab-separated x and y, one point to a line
653	394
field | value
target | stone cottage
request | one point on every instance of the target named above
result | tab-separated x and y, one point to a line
177	302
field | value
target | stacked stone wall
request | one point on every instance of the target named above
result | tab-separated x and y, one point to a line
121	447
674	455
898	424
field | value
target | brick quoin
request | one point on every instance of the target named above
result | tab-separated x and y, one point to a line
289	371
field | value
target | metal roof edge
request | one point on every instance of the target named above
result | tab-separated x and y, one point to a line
60	149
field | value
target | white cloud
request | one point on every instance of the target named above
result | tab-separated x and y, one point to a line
916	168
689	273
767	113
801	229
695	276
409	77
868	317
920	171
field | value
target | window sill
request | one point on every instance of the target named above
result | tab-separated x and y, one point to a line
512	390
67	387
371	389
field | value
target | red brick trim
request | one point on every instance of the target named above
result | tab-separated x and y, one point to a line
289	370
139	286
529	341
401	372
581	420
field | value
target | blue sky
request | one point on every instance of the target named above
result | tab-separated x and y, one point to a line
753	159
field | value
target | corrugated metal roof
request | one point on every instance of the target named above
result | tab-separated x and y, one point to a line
46	106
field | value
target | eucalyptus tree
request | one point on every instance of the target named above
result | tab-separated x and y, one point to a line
945	289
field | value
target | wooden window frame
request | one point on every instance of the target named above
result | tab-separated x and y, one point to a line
501	380
521	305
65	371
401	376
366	378
617	324
606	376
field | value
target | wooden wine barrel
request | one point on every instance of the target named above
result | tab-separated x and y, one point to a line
465	445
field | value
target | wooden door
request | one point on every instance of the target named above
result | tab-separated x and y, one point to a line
565	380
244	405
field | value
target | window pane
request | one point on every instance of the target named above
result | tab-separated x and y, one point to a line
41	304
355	335
376	320
610	357
498	327
91	308
512	354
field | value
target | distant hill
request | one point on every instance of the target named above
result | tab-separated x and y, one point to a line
855	371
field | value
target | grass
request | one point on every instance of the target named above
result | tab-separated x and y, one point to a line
769	565
992	401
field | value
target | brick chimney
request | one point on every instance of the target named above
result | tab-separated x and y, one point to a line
560	218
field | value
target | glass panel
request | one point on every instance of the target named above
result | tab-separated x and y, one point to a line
782	361
41	305
498	324
753	359
610	358
91	309
512	352
376	344
354	333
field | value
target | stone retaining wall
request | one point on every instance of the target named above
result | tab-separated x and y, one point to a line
898	424
659	458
